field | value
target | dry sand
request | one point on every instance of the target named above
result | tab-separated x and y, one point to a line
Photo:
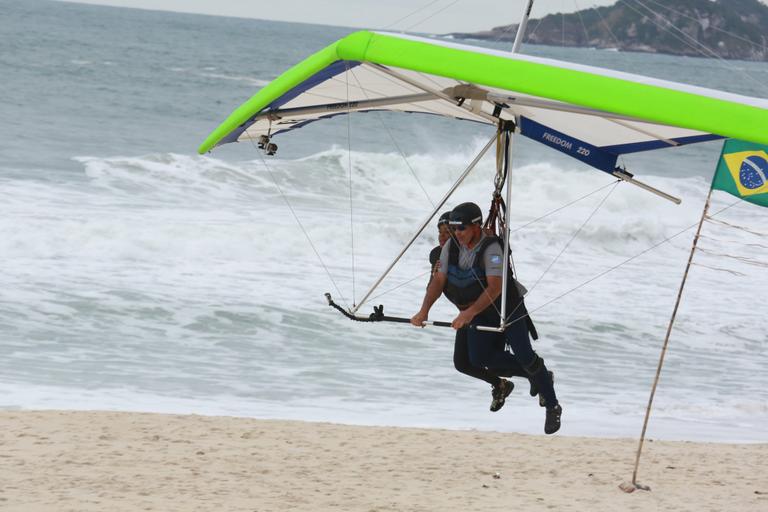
105	461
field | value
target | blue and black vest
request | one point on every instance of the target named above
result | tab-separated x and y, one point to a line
465	286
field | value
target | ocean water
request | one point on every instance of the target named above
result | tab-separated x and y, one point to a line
138	275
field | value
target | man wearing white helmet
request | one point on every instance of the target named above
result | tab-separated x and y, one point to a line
470	274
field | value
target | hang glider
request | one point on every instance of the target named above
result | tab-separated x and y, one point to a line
591	114
588	113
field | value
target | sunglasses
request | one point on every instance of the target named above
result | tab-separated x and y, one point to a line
461	227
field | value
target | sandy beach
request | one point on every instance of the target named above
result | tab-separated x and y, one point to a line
82	461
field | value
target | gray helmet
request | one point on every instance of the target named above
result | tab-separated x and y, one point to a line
465	214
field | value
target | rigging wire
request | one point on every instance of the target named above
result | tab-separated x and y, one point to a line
509	27
427	195
296	218
432	15
349	164
735	36
500	136
615	267
562	19
504	32
573	237
400	285
626	261
610	269
548	214
412	171
583	25
552	212
532	32
394	142
692	40
607	27
503	141
709	52
423	7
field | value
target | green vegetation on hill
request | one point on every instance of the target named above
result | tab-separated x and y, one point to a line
731	29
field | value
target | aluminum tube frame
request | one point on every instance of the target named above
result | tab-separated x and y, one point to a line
521	28
505	272
507	214
485	328
432	90
558	106
624	176
345	106
437	208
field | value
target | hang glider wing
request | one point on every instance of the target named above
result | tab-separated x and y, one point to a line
589	113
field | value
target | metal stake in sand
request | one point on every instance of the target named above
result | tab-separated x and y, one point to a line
633	485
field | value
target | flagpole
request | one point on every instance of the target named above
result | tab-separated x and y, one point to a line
627	486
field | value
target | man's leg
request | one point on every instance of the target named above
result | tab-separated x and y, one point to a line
488	349
517	371
516	336
501	388
462	363
534	390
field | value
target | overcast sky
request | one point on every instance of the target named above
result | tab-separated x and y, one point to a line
435	16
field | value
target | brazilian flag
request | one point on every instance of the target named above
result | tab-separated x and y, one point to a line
743	171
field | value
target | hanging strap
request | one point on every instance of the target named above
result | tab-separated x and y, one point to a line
494	221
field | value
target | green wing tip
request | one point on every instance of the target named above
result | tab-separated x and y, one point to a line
208	144
356	44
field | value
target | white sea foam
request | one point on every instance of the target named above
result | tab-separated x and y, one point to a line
210	72
179	283
237	78
167	282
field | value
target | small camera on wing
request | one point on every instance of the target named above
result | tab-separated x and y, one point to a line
270	148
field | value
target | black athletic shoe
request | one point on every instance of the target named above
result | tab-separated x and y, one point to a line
535	389
500	394
552	423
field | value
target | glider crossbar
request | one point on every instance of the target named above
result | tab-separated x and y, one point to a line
379	316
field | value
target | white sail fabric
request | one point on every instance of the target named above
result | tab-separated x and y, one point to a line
625	113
